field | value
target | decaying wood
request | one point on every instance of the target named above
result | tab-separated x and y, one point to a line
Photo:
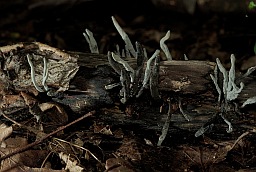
185	77
15	68
179	76
186	80
189	80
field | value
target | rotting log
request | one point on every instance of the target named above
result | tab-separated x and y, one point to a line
186	80
178	76
185	77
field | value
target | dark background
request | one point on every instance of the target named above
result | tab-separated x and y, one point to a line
214	29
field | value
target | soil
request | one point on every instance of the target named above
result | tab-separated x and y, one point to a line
201	36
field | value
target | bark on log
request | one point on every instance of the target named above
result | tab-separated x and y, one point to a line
186	80
185	77
189	80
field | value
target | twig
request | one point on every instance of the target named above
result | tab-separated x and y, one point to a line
17	164
24	148
2	113
80	147
239	138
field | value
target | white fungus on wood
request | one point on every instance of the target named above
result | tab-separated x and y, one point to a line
203	129
164	46
147	72
250	100
124	37
45	75
215	81
185	57
127	67
249	71
230	90
166	125
91	41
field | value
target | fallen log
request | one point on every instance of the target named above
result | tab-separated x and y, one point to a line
187	83
186	80
185	77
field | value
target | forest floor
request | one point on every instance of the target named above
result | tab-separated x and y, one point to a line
201	36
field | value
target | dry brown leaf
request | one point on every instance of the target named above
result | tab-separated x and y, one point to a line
130	149
117	165
44	170
54	112
23	168
12	101
29	100
102	128
14	142
5	131
22	161
206	155
71	164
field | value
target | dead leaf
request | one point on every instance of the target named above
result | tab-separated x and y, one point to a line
130	149
106	131
206	156
30	158
14	142
71	164
12	101
5	131
54	112
117	165
102	128
29	100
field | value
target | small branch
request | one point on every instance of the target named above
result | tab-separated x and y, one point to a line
24	148
242	136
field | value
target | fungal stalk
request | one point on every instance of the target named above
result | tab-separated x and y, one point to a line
125	37
148	72
45	75
230	91
127	67
164	46
133	81
166	125
91	41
